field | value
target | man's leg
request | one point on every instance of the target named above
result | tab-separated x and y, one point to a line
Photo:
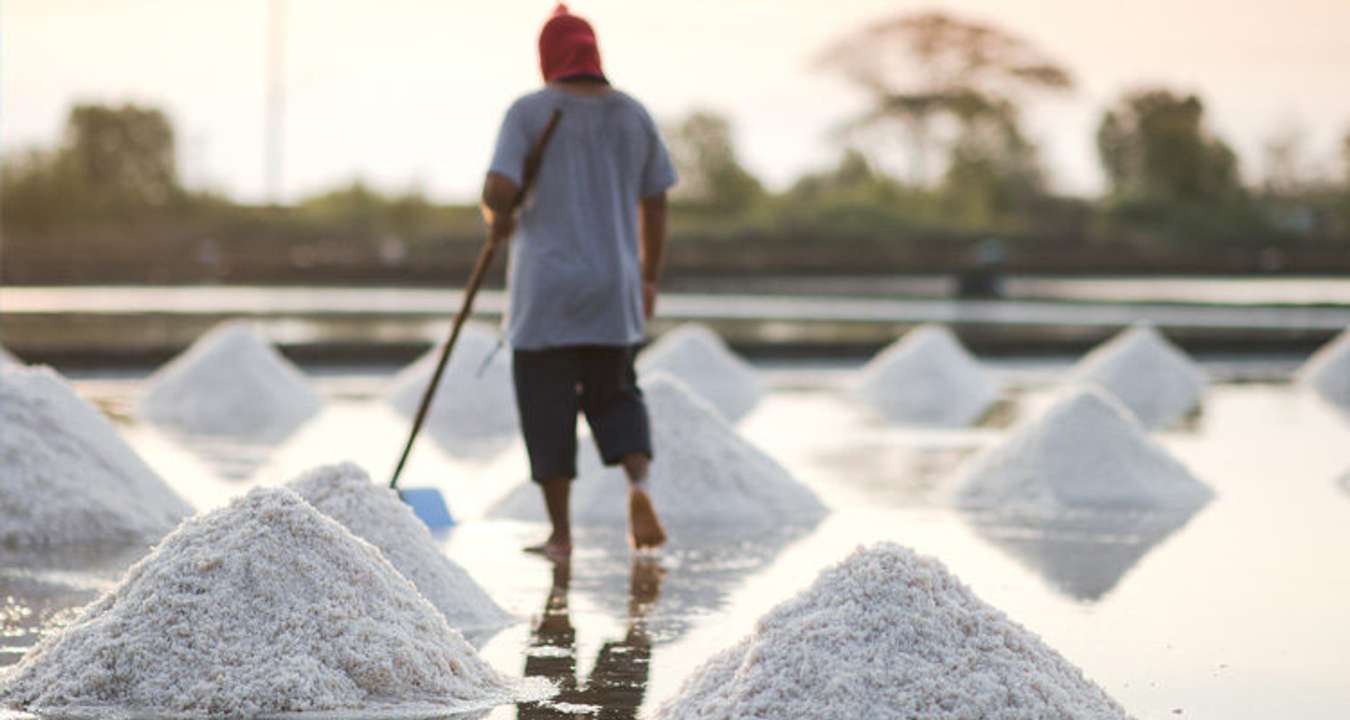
635	466
643	524
614	408
546	397
557	493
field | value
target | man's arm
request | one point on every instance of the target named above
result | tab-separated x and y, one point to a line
499	192
653	229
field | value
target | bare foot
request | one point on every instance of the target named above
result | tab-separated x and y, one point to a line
555	549
644	526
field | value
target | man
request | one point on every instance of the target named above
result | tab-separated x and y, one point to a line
582	274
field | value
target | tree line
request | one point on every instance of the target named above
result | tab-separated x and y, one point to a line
947	99
952	92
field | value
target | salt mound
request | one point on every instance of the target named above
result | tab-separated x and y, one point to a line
697	356
264	606
66	476
1085	452
1153	378
475	403
7	358
375	514
889	634
231	382
703	474
928	378
1327	372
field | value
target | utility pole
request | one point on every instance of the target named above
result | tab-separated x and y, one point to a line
275	111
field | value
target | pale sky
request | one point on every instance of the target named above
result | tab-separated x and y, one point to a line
409	92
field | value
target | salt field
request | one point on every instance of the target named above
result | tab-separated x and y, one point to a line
1230	605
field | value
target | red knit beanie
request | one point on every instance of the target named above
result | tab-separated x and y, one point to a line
567	47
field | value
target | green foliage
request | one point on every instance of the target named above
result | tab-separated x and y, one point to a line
1155	147
994	174
108	196
854	179
362	210
711	175
124	156
111	160
1170	176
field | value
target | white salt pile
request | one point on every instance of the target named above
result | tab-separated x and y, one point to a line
1327	372
231	382
1085	452
889	634
475	404
698	357
375	514
66	476
1155	379
264	606
7	358
703	474
928	377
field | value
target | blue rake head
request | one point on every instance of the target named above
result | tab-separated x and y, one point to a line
429	507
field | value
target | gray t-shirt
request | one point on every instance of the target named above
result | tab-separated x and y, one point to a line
573	273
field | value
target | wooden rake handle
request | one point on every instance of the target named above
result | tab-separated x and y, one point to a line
532	162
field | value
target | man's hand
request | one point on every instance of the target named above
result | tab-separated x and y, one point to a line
499	195
648	299
503	224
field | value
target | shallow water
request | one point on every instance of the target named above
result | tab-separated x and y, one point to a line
1237	611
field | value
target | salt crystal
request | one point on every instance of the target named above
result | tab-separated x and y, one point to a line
1085	452
697	356
928	377
474	409
1327	372
889	634
231	382
66	476
1155	379
264	606
704	474
375	514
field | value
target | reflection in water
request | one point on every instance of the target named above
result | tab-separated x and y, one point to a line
41	589
618	682
896	473
30	608
1082	555
703	568
233	459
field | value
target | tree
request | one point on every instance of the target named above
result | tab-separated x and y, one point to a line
1284	173
111	159
1154	146
124	155
993	171
1345	159
926	67
854	177
711	174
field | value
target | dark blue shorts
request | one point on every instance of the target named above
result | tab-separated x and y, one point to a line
554	384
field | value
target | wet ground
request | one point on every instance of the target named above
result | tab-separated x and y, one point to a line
1238	611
